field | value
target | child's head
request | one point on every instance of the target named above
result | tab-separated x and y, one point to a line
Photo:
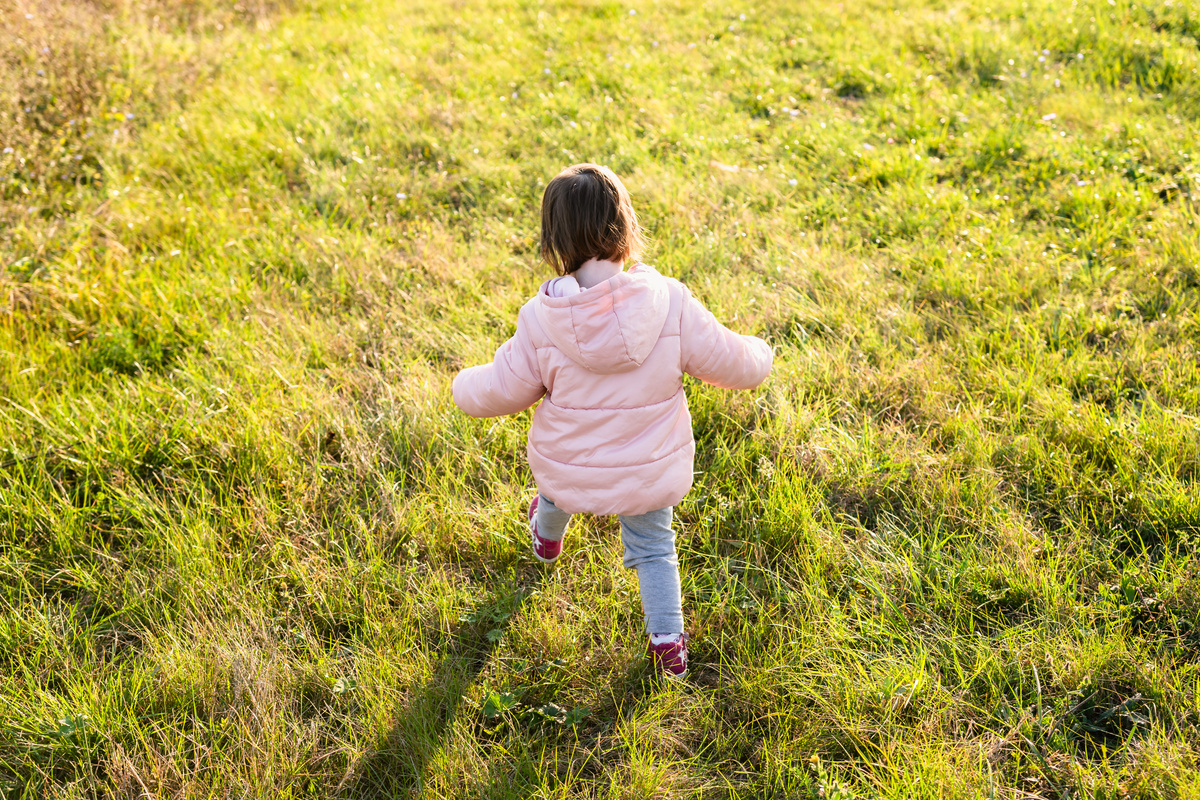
586	213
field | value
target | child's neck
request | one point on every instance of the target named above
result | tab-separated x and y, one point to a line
596	271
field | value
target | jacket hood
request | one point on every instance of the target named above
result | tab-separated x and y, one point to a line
611	327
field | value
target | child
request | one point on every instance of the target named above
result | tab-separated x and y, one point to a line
605	350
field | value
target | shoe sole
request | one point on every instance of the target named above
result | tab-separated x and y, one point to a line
544	560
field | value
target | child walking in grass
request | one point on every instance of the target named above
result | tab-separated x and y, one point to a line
605	349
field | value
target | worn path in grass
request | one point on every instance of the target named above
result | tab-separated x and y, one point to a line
249	548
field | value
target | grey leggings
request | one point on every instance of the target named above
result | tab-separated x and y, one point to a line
649	548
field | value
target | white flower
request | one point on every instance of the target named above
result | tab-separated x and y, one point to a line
546	70
632	11
792	182
175	252
401	196
741	16
1049	117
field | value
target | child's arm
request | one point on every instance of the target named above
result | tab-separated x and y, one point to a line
717	355
511	383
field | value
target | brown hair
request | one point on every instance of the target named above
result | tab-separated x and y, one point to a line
586	213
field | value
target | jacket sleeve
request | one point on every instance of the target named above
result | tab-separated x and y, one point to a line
717	355
511	383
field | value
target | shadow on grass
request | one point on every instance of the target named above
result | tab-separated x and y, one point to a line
400	763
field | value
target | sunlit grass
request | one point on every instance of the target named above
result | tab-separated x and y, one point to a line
249	547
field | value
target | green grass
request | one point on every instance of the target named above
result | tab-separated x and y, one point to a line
250	548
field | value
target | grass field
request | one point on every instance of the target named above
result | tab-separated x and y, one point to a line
250	548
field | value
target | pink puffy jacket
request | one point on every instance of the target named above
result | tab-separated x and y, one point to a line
613	434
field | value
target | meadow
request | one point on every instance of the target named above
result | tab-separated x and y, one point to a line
250	548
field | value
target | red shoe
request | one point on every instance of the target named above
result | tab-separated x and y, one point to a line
670	658
546	551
